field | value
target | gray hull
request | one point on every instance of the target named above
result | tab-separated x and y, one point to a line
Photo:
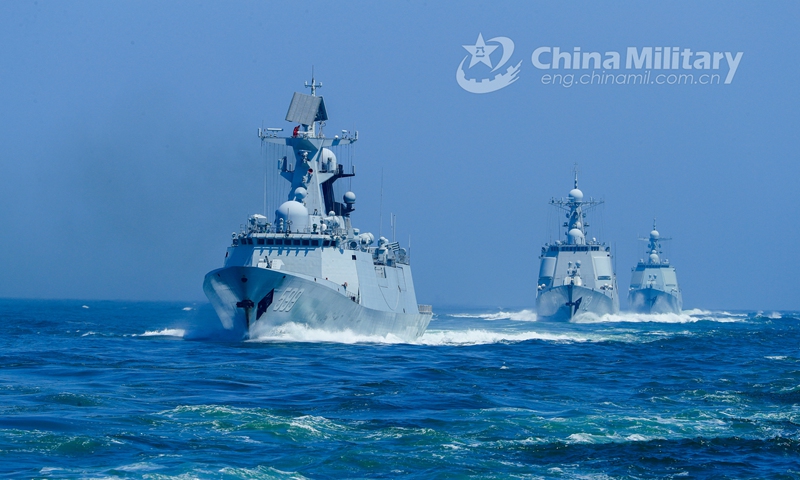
250	297
553	304
652	300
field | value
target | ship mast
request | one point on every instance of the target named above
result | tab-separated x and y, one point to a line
315	167
574	205
654	245
314	85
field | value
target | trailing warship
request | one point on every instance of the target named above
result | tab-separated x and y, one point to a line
576	276
654	283
311	266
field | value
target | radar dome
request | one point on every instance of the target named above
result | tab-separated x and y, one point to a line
328	160
575	237
654	234
327	155
654	258
349	198
300	194
294	212
576	195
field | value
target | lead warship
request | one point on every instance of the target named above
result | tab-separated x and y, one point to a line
654	283
576	276
311	266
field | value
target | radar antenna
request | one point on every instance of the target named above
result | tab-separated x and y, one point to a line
575	169
314	85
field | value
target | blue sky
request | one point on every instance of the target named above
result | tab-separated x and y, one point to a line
129	149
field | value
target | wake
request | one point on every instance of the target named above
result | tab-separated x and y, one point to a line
293	332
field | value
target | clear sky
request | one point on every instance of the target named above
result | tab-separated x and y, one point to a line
128	148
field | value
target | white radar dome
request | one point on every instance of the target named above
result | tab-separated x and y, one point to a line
576	195
300	194
654	234
294	212
327	156
654	258
576	237
349	198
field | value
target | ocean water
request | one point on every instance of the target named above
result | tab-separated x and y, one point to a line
156	390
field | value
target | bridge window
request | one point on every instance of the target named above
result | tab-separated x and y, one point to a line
270	241
297	242
260	241
306	243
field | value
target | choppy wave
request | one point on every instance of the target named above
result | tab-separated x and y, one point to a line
520	316
166	332
683	317
293	332
686	316
483	337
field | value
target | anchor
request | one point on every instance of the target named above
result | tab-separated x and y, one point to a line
573	306
652	302
248	305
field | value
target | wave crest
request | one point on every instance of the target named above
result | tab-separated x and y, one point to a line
294	332
166	332
520	316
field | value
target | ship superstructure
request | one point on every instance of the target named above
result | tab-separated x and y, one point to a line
310	266
576	275
654	282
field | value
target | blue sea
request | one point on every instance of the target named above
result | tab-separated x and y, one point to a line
94	389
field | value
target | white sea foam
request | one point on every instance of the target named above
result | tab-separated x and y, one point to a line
293	332
187	309
259	472
167	332
139	467
483	337
684	317
520	316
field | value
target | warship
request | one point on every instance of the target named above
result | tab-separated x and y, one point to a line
654	283
310	266
576	276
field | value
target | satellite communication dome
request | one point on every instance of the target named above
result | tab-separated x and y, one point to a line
575	237
349	198
575	195
654	234
295	212
327	155
654	258
300	194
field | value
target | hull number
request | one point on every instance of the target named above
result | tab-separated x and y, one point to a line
287	299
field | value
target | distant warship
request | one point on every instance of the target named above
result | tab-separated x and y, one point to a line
310	266
576	276
654	284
